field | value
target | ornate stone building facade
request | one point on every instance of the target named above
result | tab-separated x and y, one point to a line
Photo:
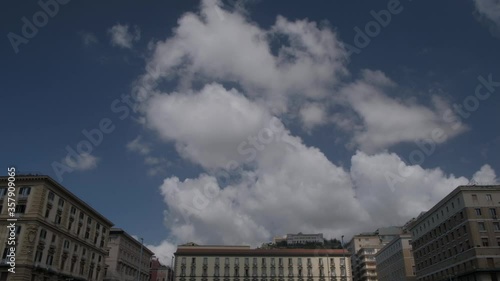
58	236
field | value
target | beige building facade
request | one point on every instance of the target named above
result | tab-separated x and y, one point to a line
395	260
363	248
58	236
127	257
459	238
241	263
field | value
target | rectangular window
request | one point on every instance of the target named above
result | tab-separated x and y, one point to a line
488	197
57	219
51	196
205	261
484	241
43	234
38	256
20	209
493	212
49	260
217	261
3	191
496	226
478	212
481	226
73	210
24	191
61	202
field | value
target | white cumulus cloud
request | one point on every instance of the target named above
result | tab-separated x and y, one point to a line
122	37
83	162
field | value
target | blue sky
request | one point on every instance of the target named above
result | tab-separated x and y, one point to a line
380	125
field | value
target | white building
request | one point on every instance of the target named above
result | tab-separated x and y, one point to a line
301	238
241	263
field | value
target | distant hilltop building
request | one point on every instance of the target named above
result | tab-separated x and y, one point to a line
279	239
301	238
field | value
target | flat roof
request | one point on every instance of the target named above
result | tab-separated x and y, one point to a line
124	233
460	188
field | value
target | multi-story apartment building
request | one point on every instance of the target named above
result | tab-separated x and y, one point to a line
395	260
301	238
58	236
127	257
459	238
363	248
241	263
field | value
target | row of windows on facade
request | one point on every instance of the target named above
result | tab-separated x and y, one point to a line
131	257
430	220
393	249
263	261
21	209
448	273
246	272
74	265
53	241
23	191
451	252
129	271
450	235
450	239
393	259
